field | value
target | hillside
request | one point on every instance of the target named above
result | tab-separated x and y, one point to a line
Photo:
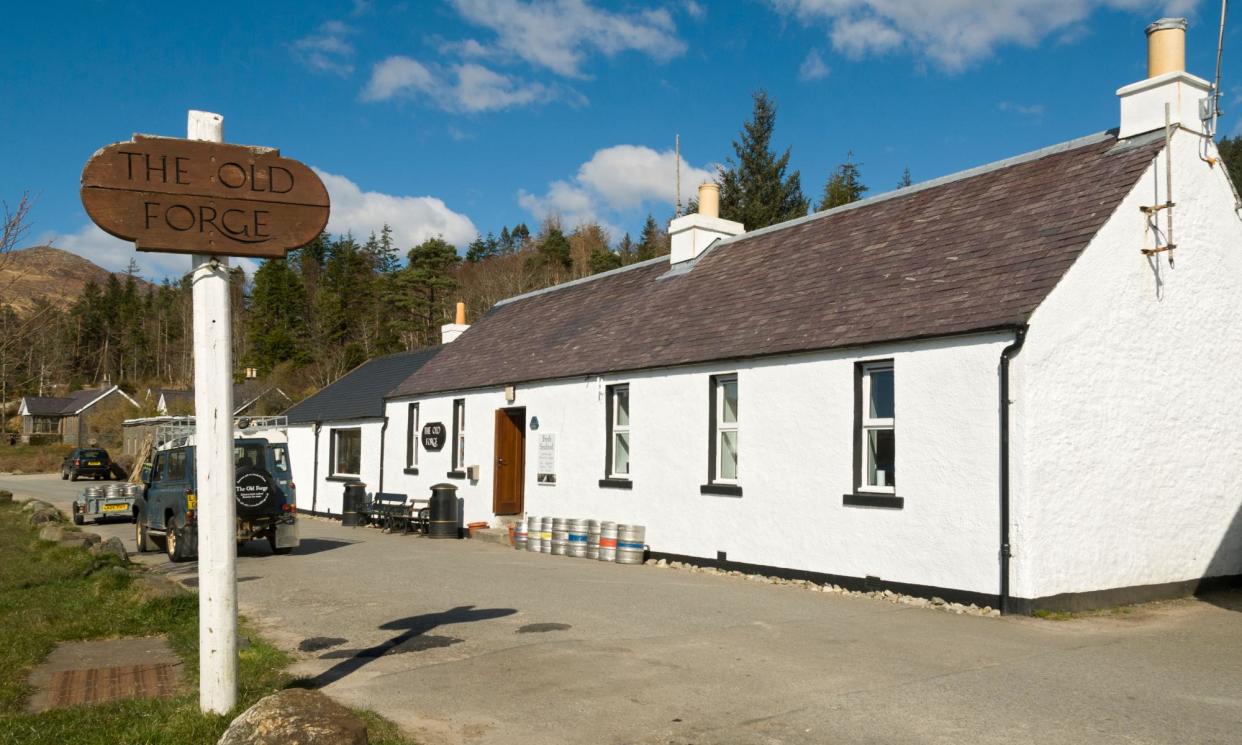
43	271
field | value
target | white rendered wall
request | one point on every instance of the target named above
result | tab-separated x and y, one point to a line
1127	409
330	490
302	457
796	445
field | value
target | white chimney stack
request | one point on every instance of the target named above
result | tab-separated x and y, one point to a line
450	331
690	235
1142	103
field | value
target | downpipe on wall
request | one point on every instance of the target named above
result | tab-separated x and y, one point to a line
383	435
1007	354
315	475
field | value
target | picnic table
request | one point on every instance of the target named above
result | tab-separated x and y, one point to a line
391	512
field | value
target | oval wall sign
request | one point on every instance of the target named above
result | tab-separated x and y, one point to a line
433	436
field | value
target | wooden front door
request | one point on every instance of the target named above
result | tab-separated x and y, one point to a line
510	465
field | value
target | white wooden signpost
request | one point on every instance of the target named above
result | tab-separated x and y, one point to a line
212	201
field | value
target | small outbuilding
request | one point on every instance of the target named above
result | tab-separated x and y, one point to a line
74	420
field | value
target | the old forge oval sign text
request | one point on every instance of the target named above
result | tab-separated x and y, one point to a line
433	436
189	196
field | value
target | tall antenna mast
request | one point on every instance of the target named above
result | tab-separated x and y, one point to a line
1220	48
677	153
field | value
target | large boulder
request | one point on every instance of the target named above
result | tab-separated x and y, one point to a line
74	540
46	515
36	504
6	496
296	717
110	547
53	533
151	586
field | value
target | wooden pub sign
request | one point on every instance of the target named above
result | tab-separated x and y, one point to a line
199	197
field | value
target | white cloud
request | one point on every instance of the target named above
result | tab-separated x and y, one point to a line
813	67
616	179
328	49
1033	111
466	87
559	34
952	33
695	10
412	219
114	254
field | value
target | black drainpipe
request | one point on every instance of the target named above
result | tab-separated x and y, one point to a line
383	434
315	472
1019	337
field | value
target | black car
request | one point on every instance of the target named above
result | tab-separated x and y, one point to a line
86	462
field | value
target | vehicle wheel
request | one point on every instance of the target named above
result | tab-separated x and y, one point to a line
141	537
64	474
73	475
174	542
77	518
271	541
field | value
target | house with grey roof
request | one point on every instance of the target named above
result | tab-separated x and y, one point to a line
340	434
1013	386
68	419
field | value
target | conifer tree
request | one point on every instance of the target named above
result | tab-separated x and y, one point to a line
844	186
653	242
277	317
754	188
905	179
1231	154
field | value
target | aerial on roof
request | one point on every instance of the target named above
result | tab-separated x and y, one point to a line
359	394
972	252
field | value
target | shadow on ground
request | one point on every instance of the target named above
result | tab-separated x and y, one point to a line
1225	570
413	638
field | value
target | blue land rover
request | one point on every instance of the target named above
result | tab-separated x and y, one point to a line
266	504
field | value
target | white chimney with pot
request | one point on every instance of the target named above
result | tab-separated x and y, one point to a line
690	235
450	331
1142	103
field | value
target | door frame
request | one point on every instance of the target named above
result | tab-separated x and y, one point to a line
512	413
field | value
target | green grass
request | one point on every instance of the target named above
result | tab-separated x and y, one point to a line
50	594
31	458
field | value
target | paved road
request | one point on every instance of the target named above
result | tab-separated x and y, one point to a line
464	642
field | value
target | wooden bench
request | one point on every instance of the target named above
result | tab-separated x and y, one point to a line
391	511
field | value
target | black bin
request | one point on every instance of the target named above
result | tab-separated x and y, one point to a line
443	516
353	504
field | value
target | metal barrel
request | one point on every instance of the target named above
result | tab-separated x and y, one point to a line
93	491
519	536
112	491
532	534
129	490
607	541
630	546
577	539
545	535
592	539
560	536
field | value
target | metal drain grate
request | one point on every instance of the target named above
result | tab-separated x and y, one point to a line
100	684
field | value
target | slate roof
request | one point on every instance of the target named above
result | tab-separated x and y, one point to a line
975	251
47	405
63	405
359	394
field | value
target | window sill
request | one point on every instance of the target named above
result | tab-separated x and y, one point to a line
616	483
343	478
888	501
456	474
411	471
721	490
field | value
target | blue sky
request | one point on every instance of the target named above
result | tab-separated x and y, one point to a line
455	116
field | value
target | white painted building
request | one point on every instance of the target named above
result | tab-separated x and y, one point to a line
1047	361
339	434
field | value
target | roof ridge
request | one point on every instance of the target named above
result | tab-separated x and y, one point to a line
979	170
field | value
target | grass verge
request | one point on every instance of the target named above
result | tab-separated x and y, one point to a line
32	458
50	594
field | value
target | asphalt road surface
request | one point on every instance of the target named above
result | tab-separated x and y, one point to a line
464	642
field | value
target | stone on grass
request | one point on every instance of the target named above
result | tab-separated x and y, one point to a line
91	538
296	717
151	586
110	547
46	515
6	496
36	504
53	533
